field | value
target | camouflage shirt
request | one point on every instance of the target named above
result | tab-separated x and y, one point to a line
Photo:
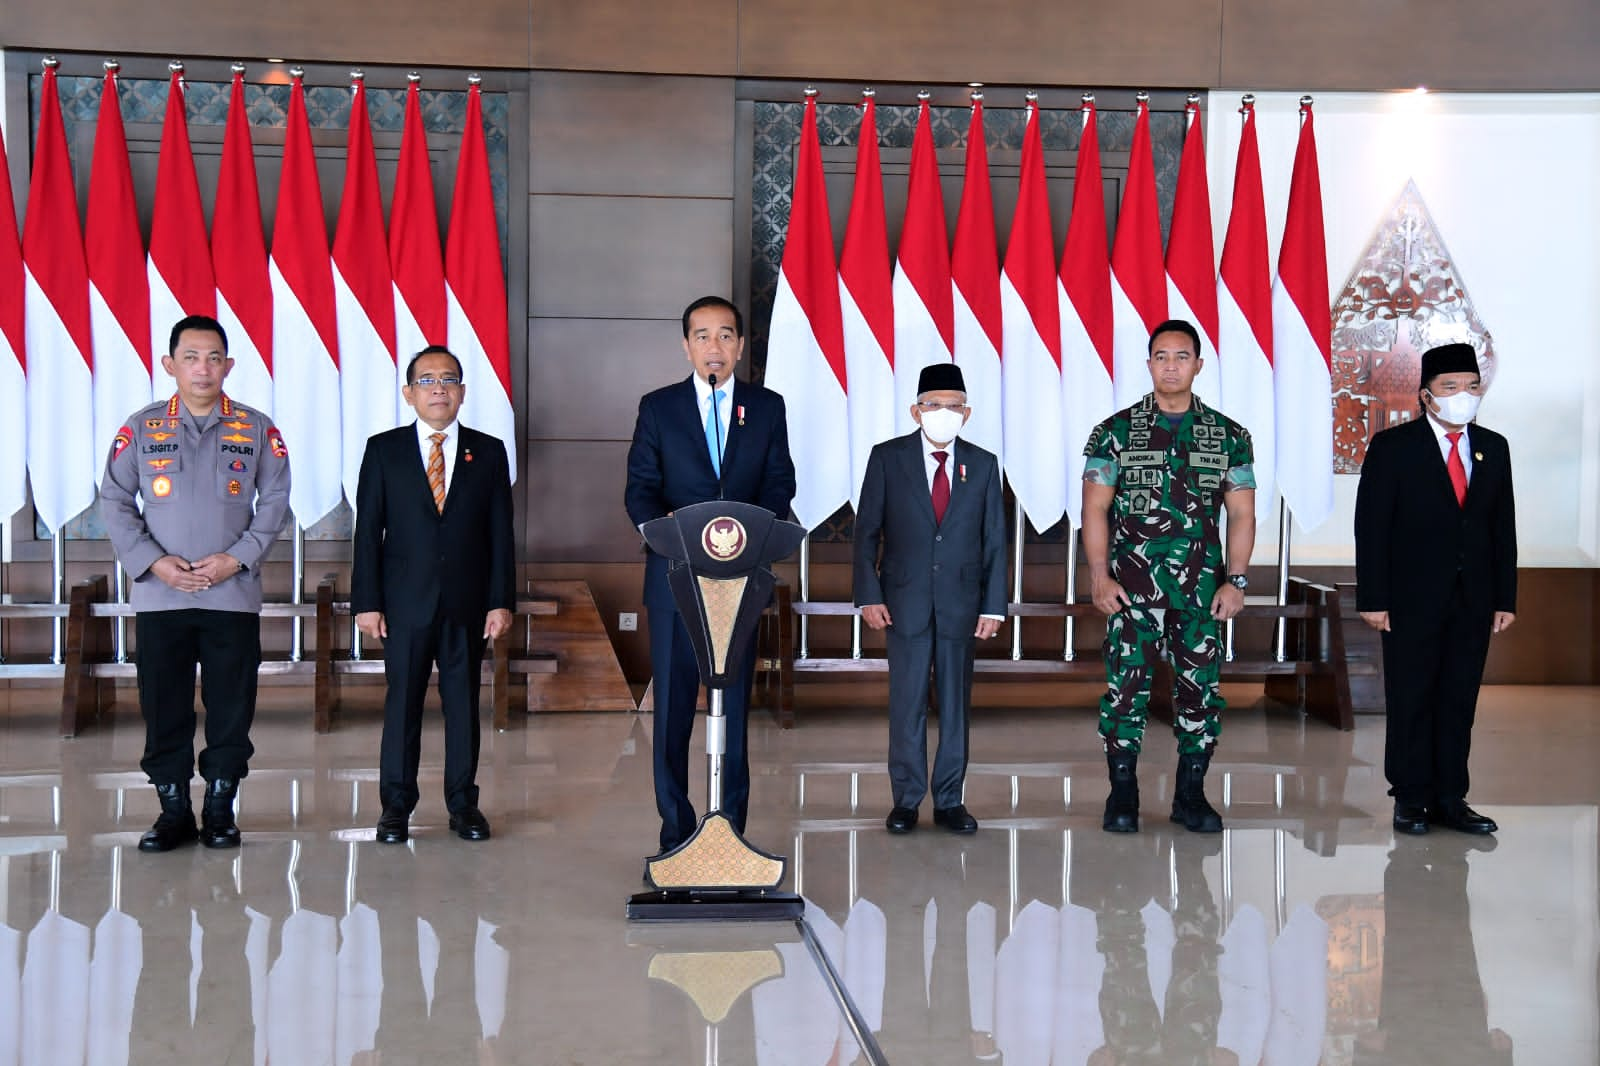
1166	544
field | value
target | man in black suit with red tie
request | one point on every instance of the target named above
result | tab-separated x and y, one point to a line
434	578
934	506
683	454
1436	574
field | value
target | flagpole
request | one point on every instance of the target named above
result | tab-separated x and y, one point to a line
1068	653
805	596
297	595
1016	583
120	635
58	584
1280	644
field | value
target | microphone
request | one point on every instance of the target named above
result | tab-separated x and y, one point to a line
716	420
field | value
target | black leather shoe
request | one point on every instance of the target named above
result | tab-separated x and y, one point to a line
469	824
394	826
901	820
217	827
1411	819
956	819
175	826
1463	819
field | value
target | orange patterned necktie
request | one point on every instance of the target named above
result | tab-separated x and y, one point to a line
436	470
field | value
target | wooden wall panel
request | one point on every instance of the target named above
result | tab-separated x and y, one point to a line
1384	44
413	32
681	37
631	135
574	491
1161	43
627	257
585	375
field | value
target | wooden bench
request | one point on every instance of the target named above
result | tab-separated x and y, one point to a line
1313	675
89	673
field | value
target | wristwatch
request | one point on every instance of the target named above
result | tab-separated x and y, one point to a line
1239	581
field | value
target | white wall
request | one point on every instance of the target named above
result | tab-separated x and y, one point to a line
1511	181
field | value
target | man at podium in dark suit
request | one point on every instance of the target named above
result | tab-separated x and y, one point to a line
435	579
707	437
934	506
1436	574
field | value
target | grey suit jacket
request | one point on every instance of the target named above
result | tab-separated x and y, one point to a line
953	571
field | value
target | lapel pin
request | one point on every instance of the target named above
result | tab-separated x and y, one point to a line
963	471
1477	457
467	456
740	410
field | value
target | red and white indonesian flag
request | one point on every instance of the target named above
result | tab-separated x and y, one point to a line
1031	363
363	294
924	314
63	461
181	282
805	346
975	282
415	258
866	307
239	255
305	333
119	297
1191	260
1244	314
475	285
1138	278
1086	322
13	351
1301	339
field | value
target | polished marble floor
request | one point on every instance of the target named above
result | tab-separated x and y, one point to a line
1306	934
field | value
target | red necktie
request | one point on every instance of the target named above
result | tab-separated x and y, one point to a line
1457	469
941	487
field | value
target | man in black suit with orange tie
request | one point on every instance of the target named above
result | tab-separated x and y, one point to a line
1436	574
434	578
708	437
934	506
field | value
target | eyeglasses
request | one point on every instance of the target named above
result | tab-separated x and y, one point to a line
449	381
930	406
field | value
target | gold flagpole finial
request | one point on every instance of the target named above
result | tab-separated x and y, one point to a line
176	67
297	73
1305	101
50	62
237	67
1248	100
1142	97
868	93
924	95
811	92
1194	100
474	78
1088	99
357	75
413	77
111	66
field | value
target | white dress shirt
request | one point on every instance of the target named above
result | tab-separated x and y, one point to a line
451	432
1463	446
702	395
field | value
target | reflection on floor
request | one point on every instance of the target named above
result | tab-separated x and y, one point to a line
1307	934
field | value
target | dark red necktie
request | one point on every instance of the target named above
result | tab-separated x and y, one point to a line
941	487
1457	469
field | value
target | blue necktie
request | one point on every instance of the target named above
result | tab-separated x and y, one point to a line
714	432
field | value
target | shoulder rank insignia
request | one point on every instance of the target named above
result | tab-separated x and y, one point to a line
237	438
172	406
161	486
227	406
159	436
124	438
153	423
275	439
158	464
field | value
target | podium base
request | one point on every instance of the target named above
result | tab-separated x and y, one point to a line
712	905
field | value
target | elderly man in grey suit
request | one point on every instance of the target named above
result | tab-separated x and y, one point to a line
930	568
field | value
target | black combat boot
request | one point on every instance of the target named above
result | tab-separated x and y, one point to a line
175	826
1189	805
1122	806
217	828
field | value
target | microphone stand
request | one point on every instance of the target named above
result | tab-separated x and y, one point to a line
716	421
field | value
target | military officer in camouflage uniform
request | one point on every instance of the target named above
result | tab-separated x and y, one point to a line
213	479
1156	478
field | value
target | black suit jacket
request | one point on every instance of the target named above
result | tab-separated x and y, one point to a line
1413	539
411	561
953	571
669	464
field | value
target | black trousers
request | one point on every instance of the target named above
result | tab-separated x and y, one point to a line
1432	667
227	647
410	653
676	677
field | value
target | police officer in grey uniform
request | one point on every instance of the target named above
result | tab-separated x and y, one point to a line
213	481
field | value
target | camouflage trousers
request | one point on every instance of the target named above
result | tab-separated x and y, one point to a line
1137	637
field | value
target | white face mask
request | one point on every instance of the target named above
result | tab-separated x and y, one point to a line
941	427
1458	409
